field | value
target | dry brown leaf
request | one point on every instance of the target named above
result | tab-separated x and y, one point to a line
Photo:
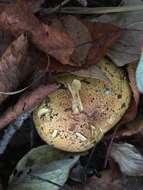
80	35
132	128
26	102
12	63
133	109
92	72
103	36
91	39
19	18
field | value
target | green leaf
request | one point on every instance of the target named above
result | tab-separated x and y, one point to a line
139	74
42	168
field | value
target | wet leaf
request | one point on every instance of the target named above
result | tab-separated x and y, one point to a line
41	166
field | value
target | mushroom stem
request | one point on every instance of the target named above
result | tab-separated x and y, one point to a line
74	89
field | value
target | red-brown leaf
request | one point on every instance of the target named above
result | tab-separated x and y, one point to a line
133	108
91	39
26	102
13	66
19	18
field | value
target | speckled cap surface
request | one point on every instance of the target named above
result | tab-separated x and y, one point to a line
103	106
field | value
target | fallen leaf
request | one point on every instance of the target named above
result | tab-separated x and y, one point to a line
133	108
5	39
133	183
42	168
91	39
128	157
80	35
19	18
26	102
107	181
127	49
134	127
92	72
12	63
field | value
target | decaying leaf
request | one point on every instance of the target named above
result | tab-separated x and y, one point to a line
127	49
5	39
107	181
129	159
91	39
92	72
134	127
26	102
133	108
19	18
12	63
42	168
79	33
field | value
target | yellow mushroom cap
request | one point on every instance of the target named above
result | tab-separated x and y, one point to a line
103	106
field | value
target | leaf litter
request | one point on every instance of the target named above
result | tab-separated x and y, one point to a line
74	45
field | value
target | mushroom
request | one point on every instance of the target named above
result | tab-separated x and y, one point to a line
77	115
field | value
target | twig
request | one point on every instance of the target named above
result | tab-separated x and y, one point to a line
11	130
95	10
